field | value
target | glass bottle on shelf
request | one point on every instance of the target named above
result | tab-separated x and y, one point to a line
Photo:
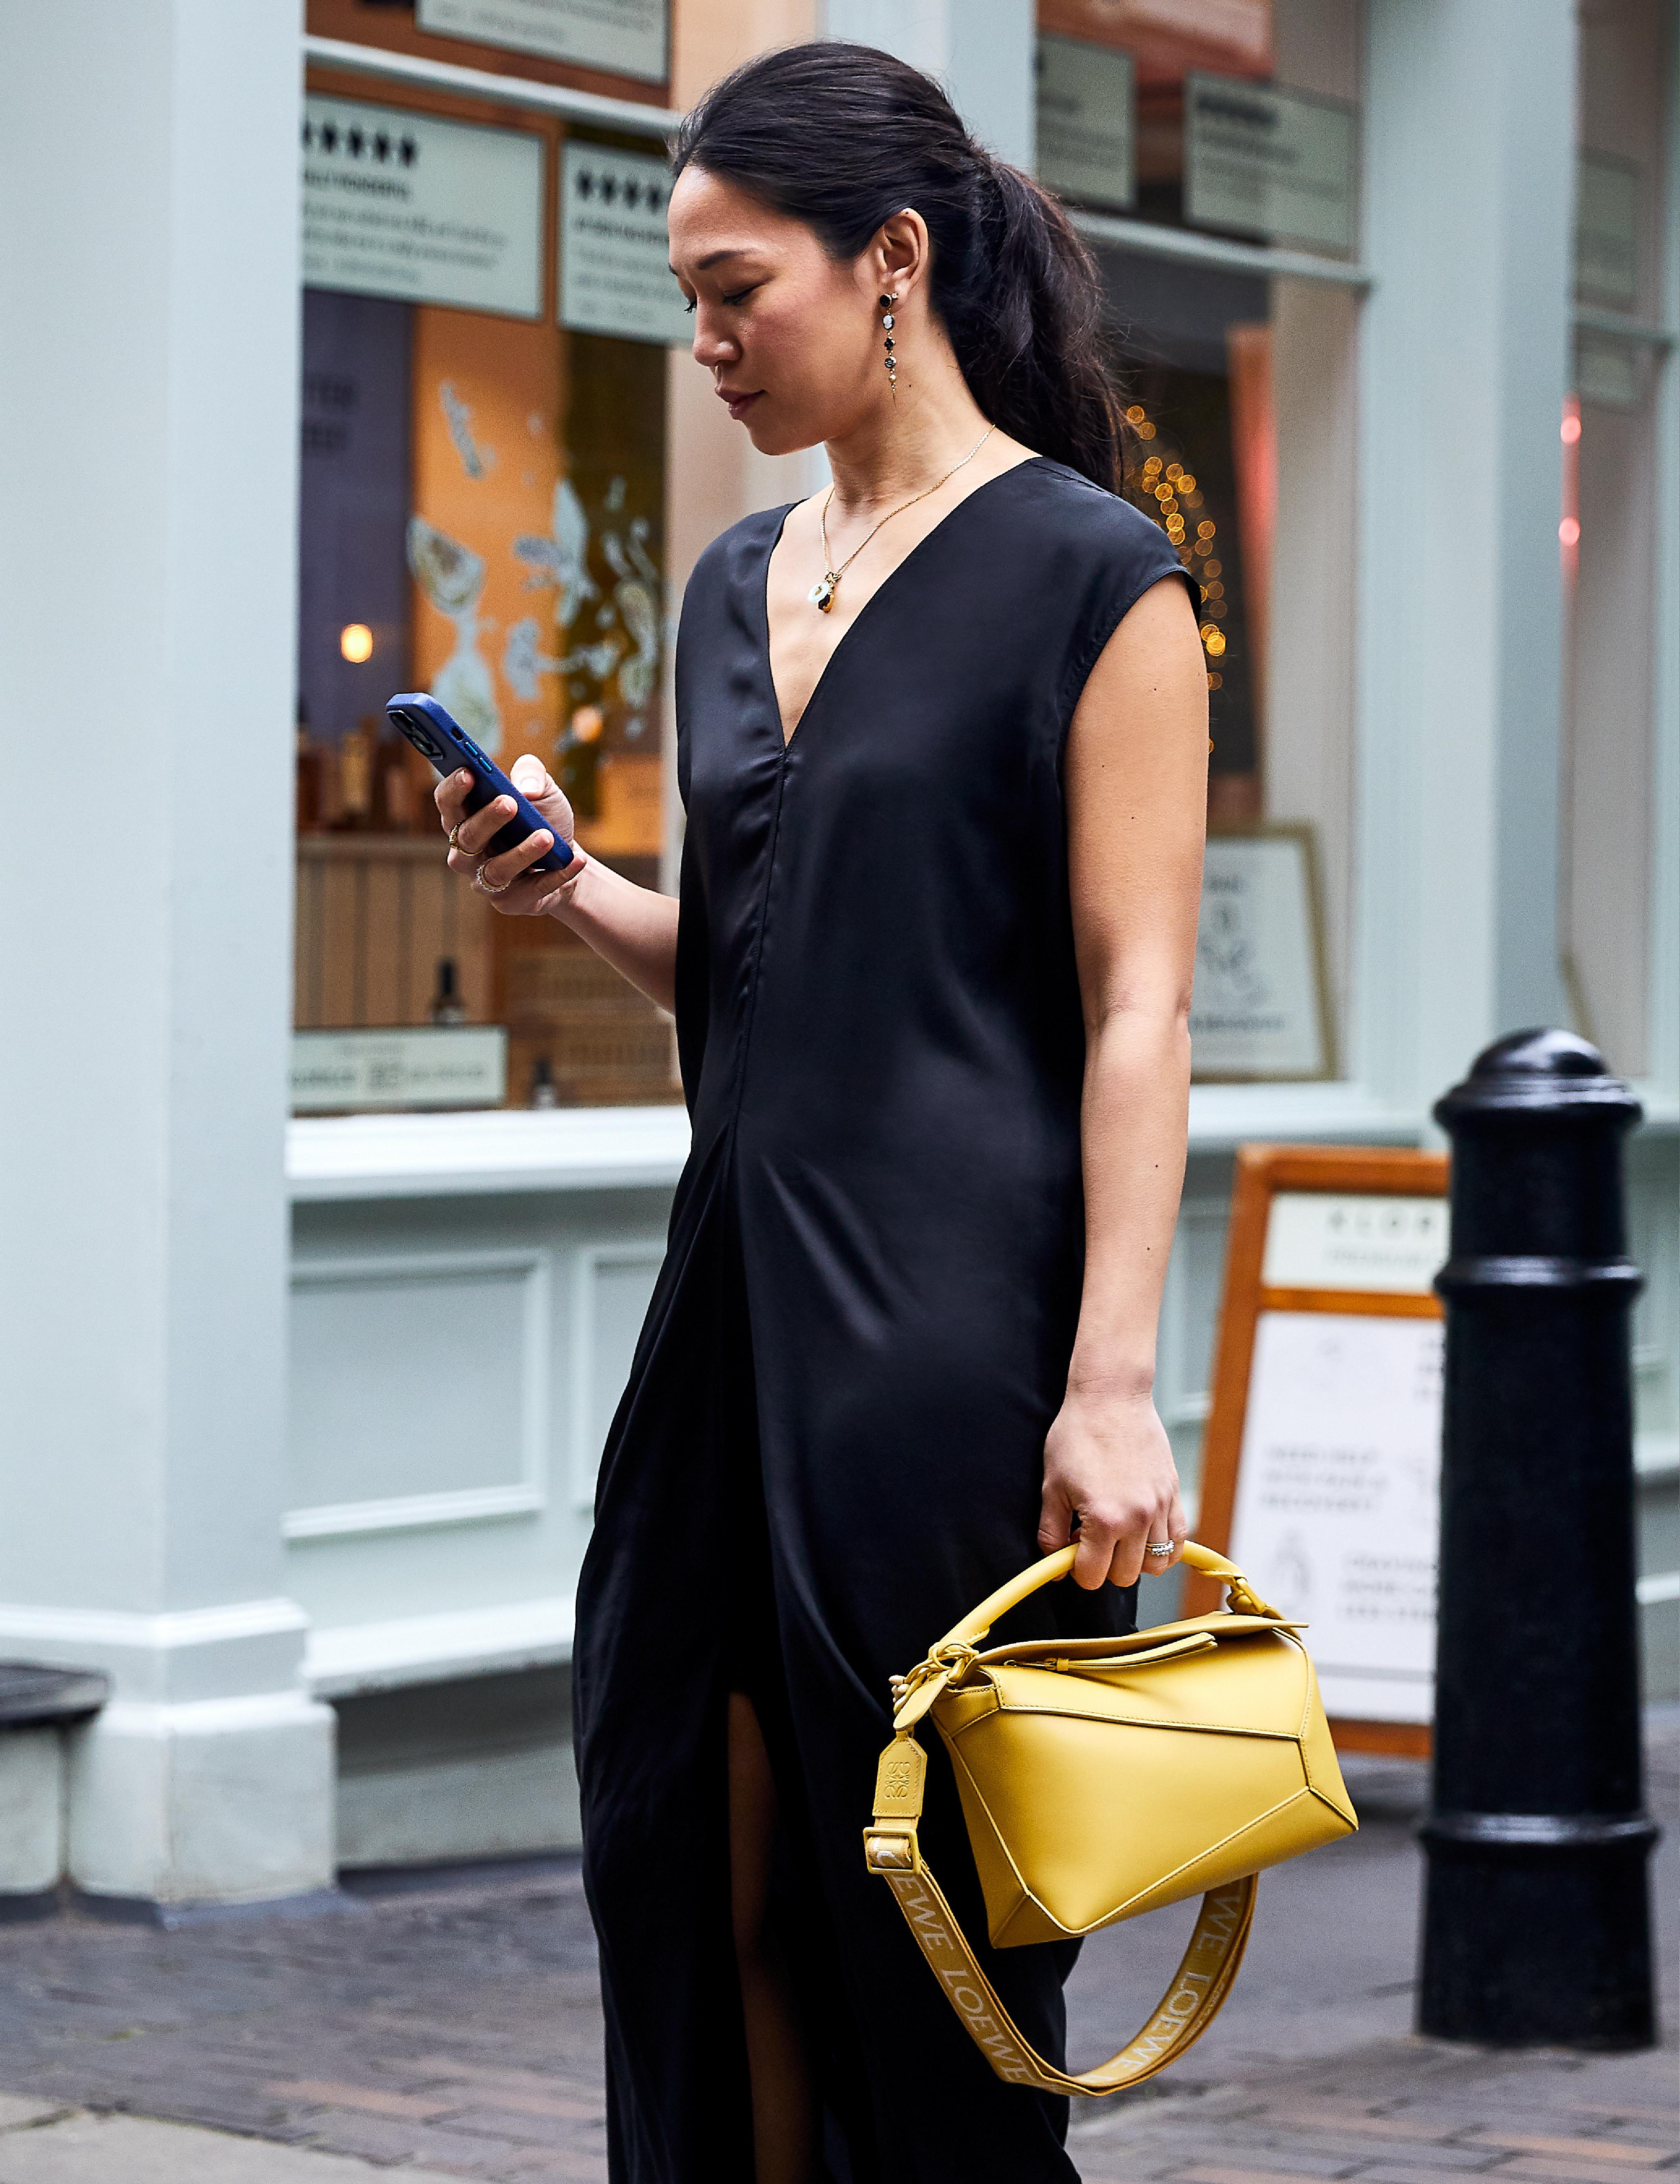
395	801
544	1092
446	1006
355	778
311	799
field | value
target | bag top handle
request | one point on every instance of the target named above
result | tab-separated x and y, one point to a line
914	1693
1241	1596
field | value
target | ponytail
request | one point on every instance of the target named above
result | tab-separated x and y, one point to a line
842	136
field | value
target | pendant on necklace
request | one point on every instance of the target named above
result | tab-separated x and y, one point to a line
821	595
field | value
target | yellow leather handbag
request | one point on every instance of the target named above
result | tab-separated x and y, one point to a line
1103	1777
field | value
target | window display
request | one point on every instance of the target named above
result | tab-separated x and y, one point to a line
1607	531
1241	385
480	516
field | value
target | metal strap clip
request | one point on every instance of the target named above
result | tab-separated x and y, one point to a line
891	1850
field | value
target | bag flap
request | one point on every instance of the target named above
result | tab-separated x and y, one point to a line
1220	1625
1259	1687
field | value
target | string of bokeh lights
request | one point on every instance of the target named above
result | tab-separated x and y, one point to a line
1174	490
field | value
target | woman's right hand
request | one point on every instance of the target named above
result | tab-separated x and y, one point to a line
505	881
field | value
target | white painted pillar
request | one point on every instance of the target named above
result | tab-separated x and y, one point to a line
148	423
1469	139
981	50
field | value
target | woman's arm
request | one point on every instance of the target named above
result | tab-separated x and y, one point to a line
633	928
1137	795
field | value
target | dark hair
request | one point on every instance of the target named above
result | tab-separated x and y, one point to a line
843	137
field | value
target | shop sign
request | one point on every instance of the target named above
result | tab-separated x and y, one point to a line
1258	1006
615	276
626	38
1264	161
1087	102
1606	372
1355	1241
1606	238
396	203
429	1066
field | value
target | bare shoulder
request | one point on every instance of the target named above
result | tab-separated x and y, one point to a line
1135	777
1150	671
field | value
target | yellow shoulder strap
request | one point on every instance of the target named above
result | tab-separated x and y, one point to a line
1185	2012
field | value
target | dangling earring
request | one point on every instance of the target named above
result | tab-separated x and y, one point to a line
886	323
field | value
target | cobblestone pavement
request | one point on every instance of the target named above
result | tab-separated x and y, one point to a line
446	2025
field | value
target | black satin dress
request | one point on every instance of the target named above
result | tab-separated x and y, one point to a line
832	1442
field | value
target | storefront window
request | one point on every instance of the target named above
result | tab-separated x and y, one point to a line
1607	530
1240	128
483	485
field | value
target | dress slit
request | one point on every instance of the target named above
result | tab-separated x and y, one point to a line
751	1663
751	1647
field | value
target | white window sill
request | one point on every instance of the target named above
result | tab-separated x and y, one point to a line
431	1649
1225	1116
352	1156
367	1156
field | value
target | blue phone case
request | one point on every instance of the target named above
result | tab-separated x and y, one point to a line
448	746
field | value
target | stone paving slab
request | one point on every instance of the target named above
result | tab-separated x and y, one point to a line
92	2149
447	2027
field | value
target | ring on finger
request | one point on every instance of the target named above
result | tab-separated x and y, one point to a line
478	881
457	844
1162	1547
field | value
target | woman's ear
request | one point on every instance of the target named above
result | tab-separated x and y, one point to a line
901	253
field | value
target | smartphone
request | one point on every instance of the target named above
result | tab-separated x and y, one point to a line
448	746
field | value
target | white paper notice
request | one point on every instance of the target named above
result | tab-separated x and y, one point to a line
1336	1500
1270	162
627	37
615	276
435	212
1085	134
1255	1011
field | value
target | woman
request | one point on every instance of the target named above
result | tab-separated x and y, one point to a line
941	738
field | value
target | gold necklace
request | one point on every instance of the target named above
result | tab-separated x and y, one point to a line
821	595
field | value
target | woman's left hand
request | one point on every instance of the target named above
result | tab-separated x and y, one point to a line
1108	1465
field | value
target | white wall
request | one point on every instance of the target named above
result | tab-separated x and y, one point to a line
149	392
981	50
1469	111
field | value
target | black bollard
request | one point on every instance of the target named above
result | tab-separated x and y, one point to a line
1537	1921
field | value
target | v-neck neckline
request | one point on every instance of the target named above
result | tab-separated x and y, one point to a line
858	619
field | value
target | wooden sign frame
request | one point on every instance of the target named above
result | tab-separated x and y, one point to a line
1262	1173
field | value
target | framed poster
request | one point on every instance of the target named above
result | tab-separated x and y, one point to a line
1260	1009
1321	1464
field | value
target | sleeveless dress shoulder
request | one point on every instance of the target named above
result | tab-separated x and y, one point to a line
832	1441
